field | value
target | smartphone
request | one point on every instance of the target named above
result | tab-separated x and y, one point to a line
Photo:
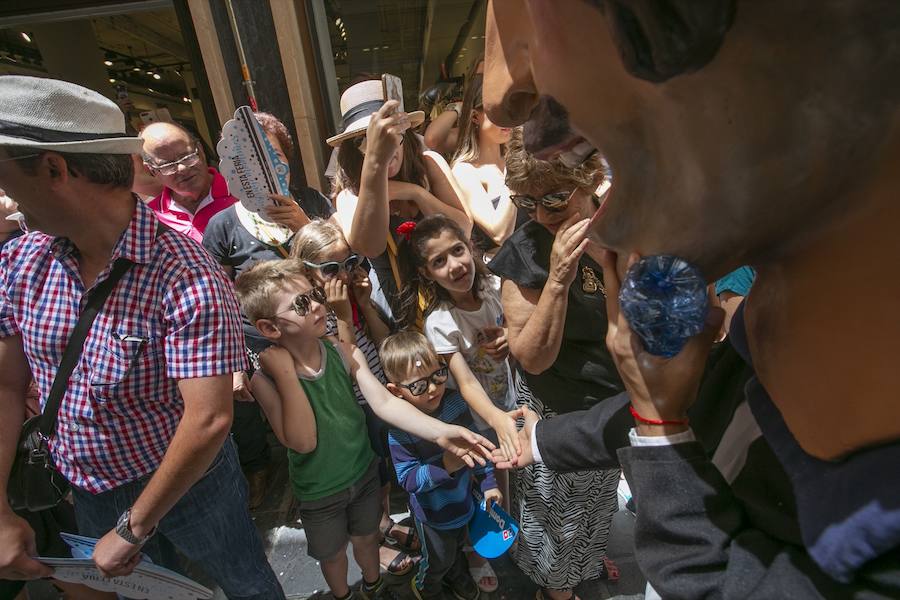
393	89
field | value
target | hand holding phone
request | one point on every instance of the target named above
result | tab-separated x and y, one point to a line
393	89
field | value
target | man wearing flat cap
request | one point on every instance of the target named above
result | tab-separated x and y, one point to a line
142	430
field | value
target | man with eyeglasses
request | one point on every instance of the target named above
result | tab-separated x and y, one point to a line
193	192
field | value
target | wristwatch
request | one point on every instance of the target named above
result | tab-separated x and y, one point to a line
123	528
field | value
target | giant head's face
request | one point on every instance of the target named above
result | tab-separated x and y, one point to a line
733	129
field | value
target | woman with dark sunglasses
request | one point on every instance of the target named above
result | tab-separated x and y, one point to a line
555	306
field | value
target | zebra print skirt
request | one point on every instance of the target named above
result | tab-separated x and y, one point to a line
564	518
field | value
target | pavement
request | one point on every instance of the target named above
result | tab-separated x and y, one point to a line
280	527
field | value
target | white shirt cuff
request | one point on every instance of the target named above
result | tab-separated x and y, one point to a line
656	440
535	452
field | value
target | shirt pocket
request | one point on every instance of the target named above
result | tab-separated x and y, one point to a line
129	366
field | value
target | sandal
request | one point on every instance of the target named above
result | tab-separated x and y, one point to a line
394	567
612	571
480	574
541	596
411	543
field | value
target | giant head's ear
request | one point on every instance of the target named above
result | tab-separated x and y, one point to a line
268	328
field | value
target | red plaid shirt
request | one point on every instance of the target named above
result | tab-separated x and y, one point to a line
172	316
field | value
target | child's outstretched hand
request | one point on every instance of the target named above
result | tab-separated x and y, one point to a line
464	443
493	496
338	299
526	457
504	424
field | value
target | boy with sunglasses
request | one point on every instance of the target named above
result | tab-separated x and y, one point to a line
333	471
439	484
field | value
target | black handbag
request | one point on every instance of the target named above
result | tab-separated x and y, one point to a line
34	483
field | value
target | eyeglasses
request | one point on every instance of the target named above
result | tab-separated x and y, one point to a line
555	202
332	269
170	168
302	302
420	386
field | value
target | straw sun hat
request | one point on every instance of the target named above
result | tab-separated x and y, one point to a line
48	114
358	103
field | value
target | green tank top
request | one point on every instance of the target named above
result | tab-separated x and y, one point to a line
342	452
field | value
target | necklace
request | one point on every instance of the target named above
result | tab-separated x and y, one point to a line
590	283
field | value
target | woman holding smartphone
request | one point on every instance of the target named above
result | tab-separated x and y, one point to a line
386	177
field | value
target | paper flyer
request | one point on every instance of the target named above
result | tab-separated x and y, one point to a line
491	529
248	162
146	581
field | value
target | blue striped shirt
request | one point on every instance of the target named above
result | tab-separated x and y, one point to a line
442	500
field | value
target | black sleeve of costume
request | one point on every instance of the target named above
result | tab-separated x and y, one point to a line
586	439
693	540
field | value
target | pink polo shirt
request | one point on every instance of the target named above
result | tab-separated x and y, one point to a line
192	225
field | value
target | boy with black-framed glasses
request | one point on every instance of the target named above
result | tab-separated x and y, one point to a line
439	484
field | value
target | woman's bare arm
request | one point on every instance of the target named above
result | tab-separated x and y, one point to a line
497	223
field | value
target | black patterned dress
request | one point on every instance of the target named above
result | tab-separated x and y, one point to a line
564	518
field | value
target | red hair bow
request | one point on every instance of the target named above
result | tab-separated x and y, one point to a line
405	229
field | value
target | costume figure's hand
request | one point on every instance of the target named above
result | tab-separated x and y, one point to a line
471	447
286	212
17	546
240	387
525	457
385	132
114	556
568	246
338	299
660	388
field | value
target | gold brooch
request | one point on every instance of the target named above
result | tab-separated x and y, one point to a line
590	283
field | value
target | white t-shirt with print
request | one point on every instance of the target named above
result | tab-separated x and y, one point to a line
450	329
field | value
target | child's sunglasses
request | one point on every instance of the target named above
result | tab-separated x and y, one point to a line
332	269
420	386
302	302
555	202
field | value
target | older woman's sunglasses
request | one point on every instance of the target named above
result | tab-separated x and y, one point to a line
302	303
555	202
420	386
332	269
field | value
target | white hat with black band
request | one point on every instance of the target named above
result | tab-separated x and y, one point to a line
48	114
358	102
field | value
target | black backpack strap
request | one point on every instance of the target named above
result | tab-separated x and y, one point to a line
76	344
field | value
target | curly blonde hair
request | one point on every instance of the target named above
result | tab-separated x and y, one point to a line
526	174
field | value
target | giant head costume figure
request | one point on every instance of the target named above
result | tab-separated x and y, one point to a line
739	132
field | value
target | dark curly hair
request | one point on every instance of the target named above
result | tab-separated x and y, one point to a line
411	258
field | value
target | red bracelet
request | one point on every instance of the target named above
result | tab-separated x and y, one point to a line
646	421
